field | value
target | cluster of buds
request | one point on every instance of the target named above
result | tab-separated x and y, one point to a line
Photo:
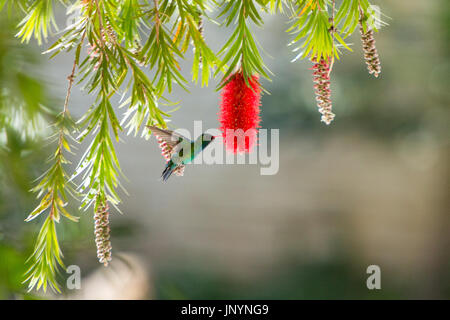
200	29
102	233
370	50
94	52
108	35
137	54
321	78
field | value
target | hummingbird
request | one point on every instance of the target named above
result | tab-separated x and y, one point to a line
178	150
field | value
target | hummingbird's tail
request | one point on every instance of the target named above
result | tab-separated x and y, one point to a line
168	170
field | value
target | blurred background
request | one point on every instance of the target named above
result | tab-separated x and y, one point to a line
370	189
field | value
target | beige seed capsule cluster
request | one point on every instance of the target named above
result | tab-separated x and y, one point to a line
102	233
370	51
321	78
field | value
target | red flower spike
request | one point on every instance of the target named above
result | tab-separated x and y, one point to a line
239	113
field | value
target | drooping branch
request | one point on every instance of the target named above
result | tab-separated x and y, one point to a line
47	254
131	37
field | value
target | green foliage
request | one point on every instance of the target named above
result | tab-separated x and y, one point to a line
45	258
320	26
54	183
125	39
39	21
312	22
241	49
22	97
13	5
53	189
23	113
159	51
11	273
277	5
186	29
352	12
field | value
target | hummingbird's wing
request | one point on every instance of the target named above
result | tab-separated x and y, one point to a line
169	142
168	136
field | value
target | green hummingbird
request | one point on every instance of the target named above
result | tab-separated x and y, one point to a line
178	150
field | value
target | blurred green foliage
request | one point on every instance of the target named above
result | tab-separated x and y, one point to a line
24	120
334	278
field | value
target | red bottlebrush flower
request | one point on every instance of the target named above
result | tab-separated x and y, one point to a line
239	113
